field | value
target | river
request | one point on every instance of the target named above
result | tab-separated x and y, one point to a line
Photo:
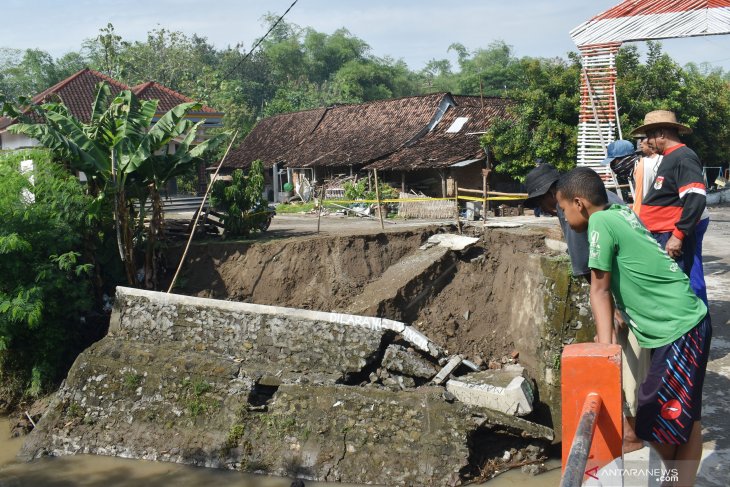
100	471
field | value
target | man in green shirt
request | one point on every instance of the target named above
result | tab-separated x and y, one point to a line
664	314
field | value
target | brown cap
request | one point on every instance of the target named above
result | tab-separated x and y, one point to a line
660	118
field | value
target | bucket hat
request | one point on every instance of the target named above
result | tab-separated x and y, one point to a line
538	182
618	148
661	118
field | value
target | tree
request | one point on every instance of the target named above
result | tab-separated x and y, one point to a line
44	279
543	122
125	157
490	72
700	99
25	73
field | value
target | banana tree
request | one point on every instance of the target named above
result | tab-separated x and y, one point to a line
125	156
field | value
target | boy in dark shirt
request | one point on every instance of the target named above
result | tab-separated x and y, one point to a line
664	314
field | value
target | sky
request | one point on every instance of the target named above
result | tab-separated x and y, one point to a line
415	31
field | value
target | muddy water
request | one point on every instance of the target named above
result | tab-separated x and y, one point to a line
99	471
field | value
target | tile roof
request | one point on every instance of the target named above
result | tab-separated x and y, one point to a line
360	134
78	92
273	137
442	147
168	98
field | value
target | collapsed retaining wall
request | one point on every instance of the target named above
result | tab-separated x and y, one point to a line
298	392
261	389
512	292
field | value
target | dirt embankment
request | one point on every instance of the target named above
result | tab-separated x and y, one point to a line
463	307
321	273
470	314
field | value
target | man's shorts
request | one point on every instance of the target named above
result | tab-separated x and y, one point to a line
670	398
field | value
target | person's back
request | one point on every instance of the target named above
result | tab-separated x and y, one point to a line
646	283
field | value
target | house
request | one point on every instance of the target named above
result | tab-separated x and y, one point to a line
451	151
418	138
78	92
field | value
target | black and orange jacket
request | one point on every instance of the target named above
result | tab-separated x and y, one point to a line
676	200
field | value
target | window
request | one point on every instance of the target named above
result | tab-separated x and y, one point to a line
456	126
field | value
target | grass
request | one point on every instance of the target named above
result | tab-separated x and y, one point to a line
294	207
132	381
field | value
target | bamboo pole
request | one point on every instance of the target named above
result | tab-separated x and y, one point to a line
377	196
197	215
484	201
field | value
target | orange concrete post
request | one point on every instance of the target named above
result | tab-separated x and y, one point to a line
592	369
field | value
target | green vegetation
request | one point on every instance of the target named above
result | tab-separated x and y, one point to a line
360	191
124	154
234	435
294	207
45	285
132	381
242	201
196	401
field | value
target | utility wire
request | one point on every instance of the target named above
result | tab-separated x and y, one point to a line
258	43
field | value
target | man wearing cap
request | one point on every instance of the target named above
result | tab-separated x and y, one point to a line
541	185
673	209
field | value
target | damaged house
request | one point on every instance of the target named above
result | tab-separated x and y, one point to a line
421	142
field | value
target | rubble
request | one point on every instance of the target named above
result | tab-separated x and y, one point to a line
398	360
505	390
450	367
450	241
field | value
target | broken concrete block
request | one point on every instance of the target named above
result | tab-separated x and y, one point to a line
400	361
471	365
416	338
502	390
450	366
556	245
452	241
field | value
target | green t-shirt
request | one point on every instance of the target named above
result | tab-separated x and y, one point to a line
646	283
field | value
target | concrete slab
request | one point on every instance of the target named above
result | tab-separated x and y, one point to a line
404	284
450	367
452	241
506	391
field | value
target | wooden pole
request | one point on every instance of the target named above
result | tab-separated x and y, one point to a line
403	182
456	194
321	204
377	196
484	202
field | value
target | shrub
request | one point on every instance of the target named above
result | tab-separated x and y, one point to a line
241	201
44	285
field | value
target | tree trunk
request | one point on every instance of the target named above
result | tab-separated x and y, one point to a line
151	259
126	242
